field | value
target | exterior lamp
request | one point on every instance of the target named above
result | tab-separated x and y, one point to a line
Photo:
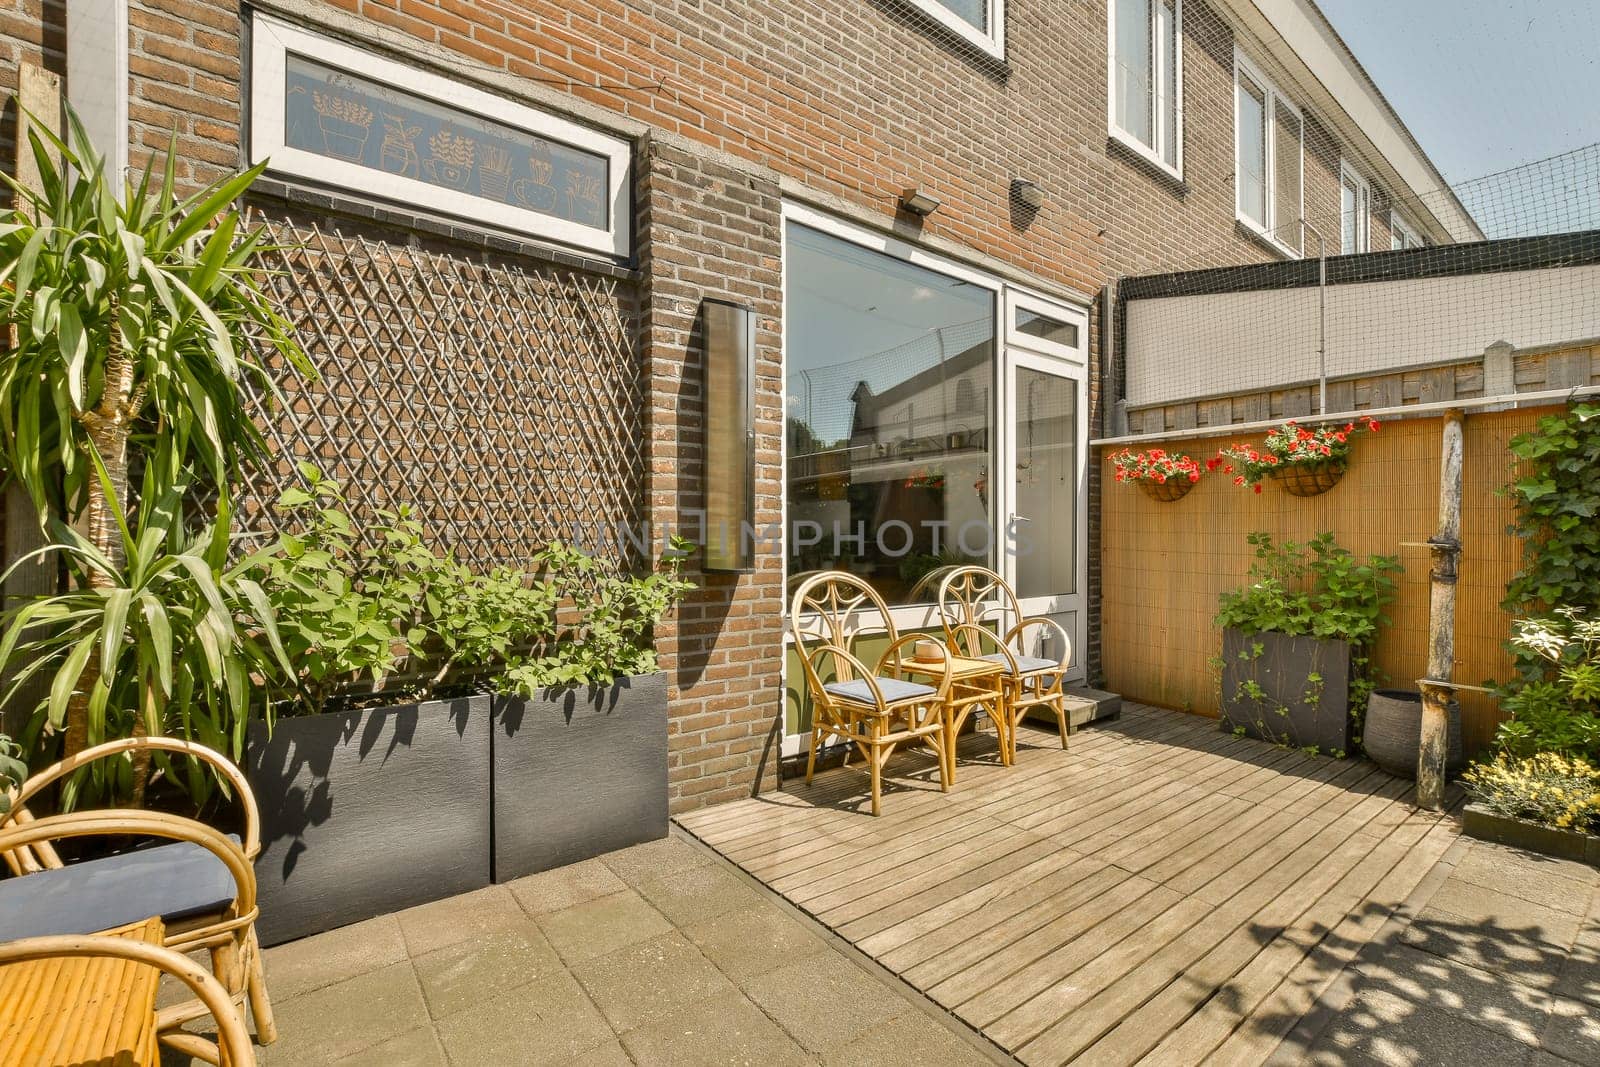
918	202
729	332
1028	192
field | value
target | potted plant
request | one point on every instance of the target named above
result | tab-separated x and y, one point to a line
1161	475
1297	642
445	727
1305	461
1548	802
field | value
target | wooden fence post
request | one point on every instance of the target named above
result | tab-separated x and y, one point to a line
1445	546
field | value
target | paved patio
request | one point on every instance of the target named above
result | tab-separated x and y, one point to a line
1163	893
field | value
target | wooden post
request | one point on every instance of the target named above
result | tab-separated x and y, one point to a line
1445	546
39	91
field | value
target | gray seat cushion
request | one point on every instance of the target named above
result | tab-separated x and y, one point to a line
893	689
1025	664
174	881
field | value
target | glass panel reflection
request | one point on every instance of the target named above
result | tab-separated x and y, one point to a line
889	372
1047	484
1046	329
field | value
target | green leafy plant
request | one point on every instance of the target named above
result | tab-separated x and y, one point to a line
1316	589
1547	788
376	610
174	633
131	306
1290	445
1556	709
1557	493
13	771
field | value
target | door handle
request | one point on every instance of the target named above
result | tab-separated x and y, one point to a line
1020	518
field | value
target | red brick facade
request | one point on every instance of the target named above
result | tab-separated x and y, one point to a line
734	104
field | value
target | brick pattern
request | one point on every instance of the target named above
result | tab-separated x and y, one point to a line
712	229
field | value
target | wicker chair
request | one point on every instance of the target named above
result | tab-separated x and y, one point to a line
203	885
873	709
50	1018
980	612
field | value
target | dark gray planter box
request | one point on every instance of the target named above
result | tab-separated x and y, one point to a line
368	812
578	772
1291	708
1480	822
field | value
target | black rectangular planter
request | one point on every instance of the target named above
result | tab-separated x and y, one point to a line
1269	690
368	812
1478	821
578	772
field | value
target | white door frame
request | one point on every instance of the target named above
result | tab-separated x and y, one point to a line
1071	362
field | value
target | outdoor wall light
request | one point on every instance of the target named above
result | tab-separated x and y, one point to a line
729	331
1027	192
918	202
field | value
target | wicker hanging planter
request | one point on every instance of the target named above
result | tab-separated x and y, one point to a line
1308	479
1167	491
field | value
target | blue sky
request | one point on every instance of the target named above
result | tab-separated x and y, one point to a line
1483	84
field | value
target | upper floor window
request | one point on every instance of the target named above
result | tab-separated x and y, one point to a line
1401	233
1146	79
981	23
1269	150
1355	211
340	116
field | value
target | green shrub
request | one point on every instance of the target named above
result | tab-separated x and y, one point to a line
1555	705
1548	788
13	771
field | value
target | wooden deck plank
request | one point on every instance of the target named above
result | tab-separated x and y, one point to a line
1162	892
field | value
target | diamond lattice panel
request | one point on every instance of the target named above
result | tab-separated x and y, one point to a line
501	400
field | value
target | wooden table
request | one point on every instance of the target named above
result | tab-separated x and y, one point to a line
86	1011
974	683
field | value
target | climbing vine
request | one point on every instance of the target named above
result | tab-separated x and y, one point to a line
1557	493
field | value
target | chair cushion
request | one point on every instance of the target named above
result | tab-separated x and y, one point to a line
174	881
893	690
1025	664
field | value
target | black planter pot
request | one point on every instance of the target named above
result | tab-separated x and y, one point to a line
1393	732
578	772
368	812
1268	689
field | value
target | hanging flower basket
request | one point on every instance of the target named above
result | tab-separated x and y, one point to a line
1167	491
1306	479
1305	461
1162	475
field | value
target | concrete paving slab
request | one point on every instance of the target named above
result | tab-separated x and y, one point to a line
723	1029
1483	997
301	966
1553	883
602	926
467	973
1573	1032
694	894
646	982
565	886
754	941
911	1040
415	1048
825	1002
348	1017
653	859
547	1021
454	919
1392	1030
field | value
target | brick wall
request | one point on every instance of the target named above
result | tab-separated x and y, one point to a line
710	227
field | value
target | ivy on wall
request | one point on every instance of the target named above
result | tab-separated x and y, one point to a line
1557	492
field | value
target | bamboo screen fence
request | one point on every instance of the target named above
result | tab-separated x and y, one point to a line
1165	564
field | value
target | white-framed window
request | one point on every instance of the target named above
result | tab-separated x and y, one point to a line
1145	83
1355	211
325	111
1401	233
980	23
1269	158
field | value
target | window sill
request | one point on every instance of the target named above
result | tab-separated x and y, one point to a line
1265	239
1139	154
990	48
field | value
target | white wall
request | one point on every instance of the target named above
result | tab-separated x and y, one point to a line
1181	348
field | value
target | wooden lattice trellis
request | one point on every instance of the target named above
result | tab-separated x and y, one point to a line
500	399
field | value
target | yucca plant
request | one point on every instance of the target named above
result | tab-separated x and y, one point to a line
130	310
172	630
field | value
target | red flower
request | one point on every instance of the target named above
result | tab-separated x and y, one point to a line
1349	427
1161	479
1239	480
1372	425
1258	487
1194	476
1272	460
1120	476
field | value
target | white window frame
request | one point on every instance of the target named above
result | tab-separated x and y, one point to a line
1274	97
1151	153
271	42
1401	233
992	43
1348	175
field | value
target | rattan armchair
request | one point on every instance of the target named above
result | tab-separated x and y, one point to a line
983	620
875	710
59	1013
202	885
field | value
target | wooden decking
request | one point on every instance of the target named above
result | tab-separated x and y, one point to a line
1162	893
